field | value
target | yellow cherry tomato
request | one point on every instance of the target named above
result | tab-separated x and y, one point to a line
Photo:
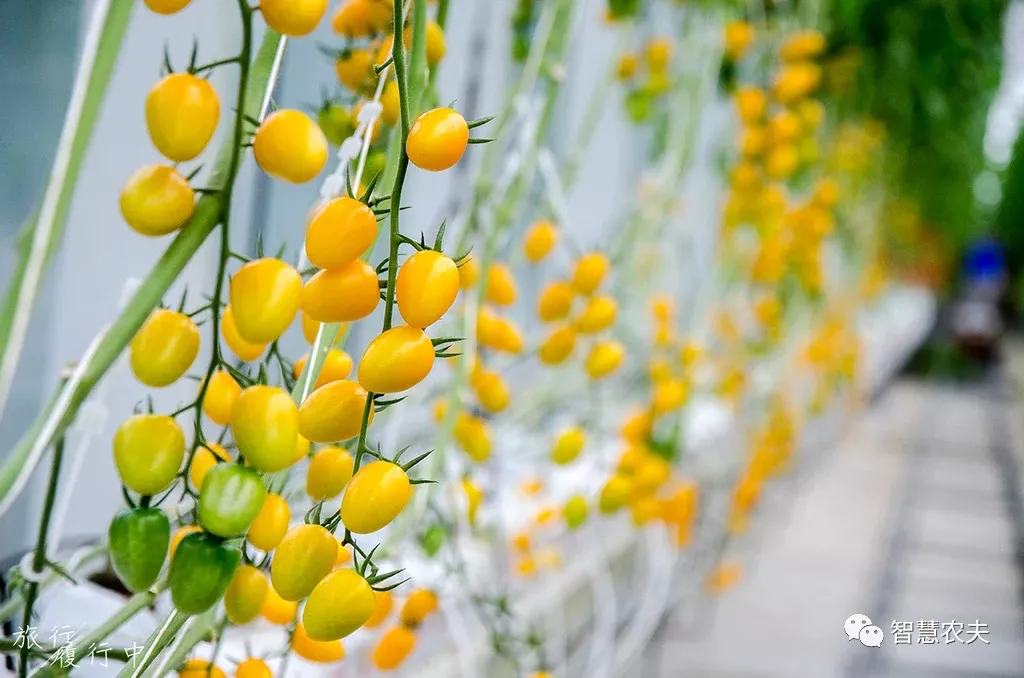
669	394
498	333
276	609
253	668
374	497
598	314
246	351
568	445
362	18
340	604
339	232
166	6
290	146
344	294
658	52
575	512
382	604
396	360
245	594
157	200
164	348
469	273
354	68
337	366
417	607
310	327
644	510
393	648
637	427
491	390
330	469
265	426
344	556
200	668
182	112
321	652
304	557
751	103
333	412
437	140
614	493
220	398
206	457
148	451
426	287
539	240
558	346
604	358
501	285
180	534
589	272
270	524
389	100
473	436
293	17
265	296
436	46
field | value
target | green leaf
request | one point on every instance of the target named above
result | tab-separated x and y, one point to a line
42	233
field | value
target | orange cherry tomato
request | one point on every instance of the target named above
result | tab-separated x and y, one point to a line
427	285
343	294
437	140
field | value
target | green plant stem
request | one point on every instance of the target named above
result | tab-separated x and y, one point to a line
200	630
155	644
419	12
14	603
132	607
39	559
208	213
42	233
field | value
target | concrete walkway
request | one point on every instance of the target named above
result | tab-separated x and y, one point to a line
914	520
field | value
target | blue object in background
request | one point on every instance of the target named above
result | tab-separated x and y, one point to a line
984	262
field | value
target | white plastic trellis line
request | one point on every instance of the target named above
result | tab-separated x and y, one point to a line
553	183
45	223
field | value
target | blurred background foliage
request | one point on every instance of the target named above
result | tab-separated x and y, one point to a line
927	70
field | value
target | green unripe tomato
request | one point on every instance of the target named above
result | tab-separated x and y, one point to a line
201	570
138	541
230	499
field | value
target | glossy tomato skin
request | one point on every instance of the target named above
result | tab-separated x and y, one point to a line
340	604
166	6
148	451
265	296
246	351
201	571
276	609
437	140
245	594
289	146
230	499
427	285
333	412
157	200
340	232
396	360
271	523
337	366
138	542
164	348
182	112
265	426
375	496
304	557
203	460
344	294
321	652
294	18
221	396
329	472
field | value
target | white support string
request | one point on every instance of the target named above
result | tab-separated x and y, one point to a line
46	222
